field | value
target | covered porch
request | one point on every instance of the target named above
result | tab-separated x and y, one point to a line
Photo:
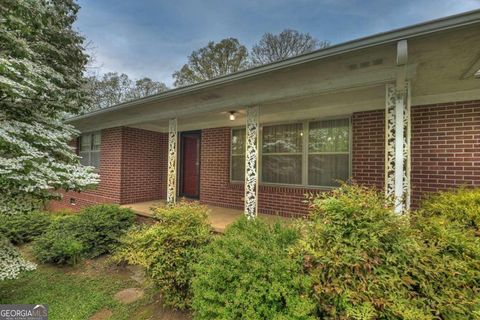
218	217
340	113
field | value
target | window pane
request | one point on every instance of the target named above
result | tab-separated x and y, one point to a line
96	141
95	159
323	170
282	169
238	141
238	168
285	138
329	136
84	158
85	142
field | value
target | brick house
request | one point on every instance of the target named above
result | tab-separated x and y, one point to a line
399	111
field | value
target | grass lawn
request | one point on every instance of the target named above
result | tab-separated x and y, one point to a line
74	292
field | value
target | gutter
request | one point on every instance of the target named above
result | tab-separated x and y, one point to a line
424	28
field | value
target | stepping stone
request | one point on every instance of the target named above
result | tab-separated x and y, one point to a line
129	295
103	314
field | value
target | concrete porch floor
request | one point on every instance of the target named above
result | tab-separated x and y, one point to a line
219	217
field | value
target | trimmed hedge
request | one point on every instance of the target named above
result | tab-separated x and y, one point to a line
24	227
248	274
94	231
102	226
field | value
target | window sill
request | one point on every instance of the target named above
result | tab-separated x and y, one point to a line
264	185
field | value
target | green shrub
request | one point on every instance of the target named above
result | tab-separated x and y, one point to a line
168	249
23	227
367	262
102	226
462	206
248	274
60	244
92	232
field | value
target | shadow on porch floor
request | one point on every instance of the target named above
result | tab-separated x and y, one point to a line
219	217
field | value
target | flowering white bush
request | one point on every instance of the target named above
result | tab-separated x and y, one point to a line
41	79
11	262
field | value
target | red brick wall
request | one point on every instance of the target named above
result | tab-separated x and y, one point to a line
133	168
368	148
445	147
144	167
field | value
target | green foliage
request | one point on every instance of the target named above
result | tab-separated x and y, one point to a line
168	249
74	293
113	88
41	80
367	262
24	227
212	61
462	206
248	274
288	43
92	232
102	226
59	243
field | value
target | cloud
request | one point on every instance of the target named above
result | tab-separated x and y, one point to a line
153	38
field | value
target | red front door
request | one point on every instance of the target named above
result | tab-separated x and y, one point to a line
190	174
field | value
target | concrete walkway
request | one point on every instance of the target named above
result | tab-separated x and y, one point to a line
219	217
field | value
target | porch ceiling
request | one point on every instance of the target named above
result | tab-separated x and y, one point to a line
441	67
300	108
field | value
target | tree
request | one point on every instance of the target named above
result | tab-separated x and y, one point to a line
145	87
288	43
108	90
41	79
212	61
113	88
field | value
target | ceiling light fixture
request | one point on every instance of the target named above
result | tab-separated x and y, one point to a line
231	115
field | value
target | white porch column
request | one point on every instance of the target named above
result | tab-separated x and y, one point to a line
251	163
397	145
172	161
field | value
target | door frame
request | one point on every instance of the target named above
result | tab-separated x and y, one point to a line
181	162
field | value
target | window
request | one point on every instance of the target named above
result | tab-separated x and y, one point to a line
328	152
237	164
314	153
89	149
282	154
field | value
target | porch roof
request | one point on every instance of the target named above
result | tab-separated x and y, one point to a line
444	55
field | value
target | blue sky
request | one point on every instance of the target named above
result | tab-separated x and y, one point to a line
153	38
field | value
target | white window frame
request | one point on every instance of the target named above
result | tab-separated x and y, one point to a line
89	152
231	155
305	152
